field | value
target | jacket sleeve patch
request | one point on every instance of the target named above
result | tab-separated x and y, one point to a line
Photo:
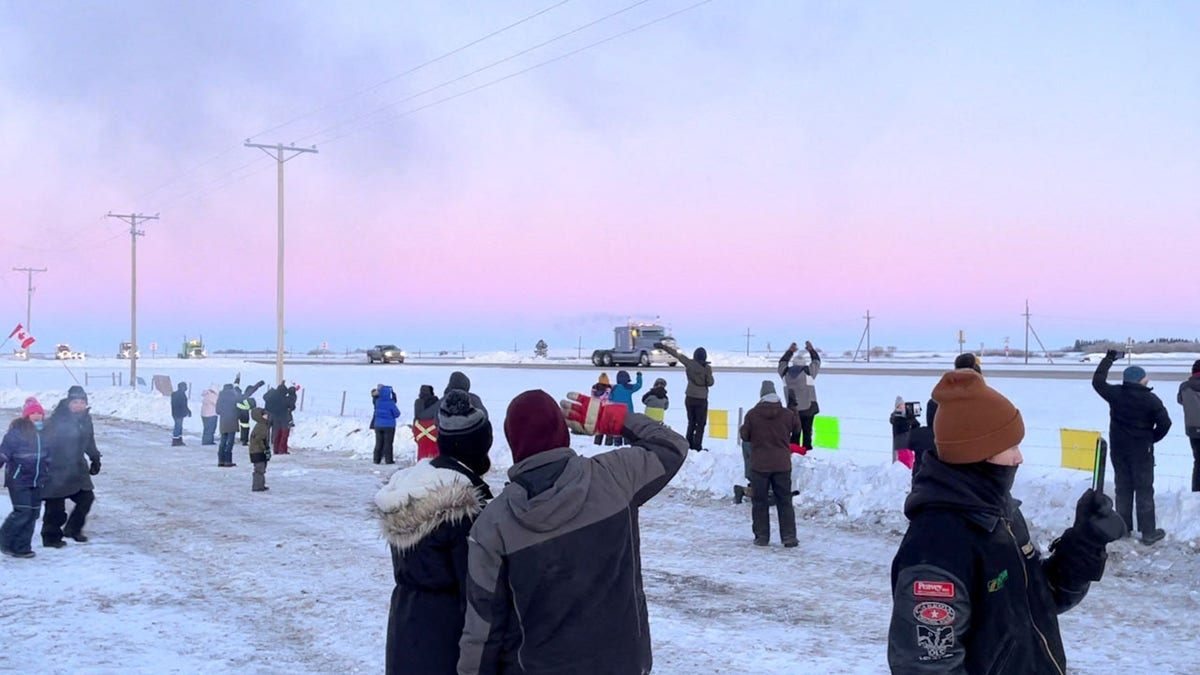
933	589
935	641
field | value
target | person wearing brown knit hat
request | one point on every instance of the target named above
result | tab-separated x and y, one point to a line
971	591
426	512
1189	398
561	542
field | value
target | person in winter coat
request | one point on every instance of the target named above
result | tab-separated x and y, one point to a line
26	472
801	388
244	405
71	438
426	512
387	413
656	400
179	410
424	426
227	411
260	453
459	380
903	423
695	396
768	428
1189	398
971	591
601	391
208	416
279	404
555	565
375	401
622	394
1137	420
920	438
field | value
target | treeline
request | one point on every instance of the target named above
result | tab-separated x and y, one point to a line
1165	345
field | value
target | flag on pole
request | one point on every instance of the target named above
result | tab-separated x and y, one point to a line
22	337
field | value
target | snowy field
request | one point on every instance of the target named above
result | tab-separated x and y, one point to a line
187	571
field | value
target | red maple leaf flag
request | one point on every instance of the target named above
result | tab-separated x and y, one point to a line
16	330
22	337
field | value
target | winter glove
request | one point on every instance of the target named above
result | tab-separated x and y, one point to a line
657	345
95	467
792	347
590	416
1095	519
1110	355
808	345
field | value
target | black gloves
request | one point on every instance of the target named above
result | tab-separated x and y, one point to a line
1095	519
95	467
657	345
1111	355
259	383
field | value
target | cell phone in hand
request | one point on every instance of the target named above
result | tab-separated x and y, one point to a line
1120	353
1100	462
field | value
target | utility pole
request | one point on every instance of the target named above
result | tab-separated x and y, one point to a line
134	233
865	336
29	298
1026	315
1030	329
748	336
279	150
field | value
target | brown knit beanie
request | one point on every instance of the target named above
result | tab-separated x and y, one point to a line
974	421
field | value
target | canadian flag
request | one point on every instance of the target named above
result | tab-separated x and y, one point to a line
22	337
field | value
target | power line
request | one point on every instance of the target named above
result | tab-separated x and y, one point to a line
460	78
523	71
412	70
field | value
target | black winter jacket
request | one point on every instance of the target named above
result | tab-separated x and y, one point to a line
971	592
179	402
71	439
426	512
1137	417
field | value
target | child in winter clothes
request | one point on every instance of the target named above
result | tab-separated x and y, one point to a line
623	394
601	391
25	474
902	424
260	454
656	400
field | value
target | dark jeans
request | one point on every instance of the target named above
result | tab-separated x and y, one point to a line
55	515
177	431
384	439
1134	476
806	436
245	434
1195	464
779	482
225	449
697	418
210	430
16	534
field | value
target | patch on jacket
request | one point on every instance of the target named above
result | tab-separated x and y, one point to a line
934	613
933	589
419	499
998	583
936	641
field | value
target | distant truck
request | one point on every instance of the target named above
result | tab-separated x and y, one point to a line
633	345
385	354
193	349
126	351
63	352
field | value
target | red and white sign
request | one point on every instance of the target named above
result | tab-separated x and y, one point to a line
153	346
933	589
324	345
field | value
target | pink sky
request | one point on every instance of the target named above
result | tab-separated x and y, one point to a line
778	167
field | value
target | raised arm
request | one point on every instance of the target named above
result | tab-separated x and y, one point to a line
1100	377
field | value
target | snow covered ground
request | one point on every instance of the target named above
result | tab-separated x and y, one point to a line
188	571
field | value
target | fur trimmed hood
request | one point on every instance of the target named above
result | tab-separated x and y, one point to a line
419	499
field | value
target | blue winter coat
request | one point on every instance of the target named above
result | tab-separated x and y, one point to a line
386	410
25	460
623	392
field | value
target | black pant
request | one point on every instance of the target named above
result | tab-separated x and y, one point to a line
697	416
56	515
384	438
1133	471
779	482
1195	464
806	424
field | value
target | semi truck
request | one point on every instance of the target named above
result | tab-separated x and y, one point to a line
633	345
126	351
193	349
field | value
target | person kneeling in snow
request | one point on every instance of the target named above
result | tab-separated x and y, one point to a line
426	512
555	570
971	591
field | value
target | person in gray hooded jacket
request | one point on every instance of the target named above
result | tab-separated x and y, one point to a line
695	396
555	579
1189	398
799	382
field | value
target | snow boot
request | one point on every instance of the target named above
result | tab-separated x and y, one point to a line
758	541
1153	537
53	543
77	536
176	442
739	493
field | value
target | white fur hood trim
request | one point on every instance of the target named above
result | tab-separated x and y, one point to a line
419	499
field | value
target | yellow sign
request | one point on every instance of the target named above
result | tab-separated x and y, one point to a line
1079	448
718	424
655	414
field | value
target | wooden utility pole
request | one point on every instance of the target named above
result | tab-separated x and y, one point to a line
279	150
29	271
134	233
748	336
